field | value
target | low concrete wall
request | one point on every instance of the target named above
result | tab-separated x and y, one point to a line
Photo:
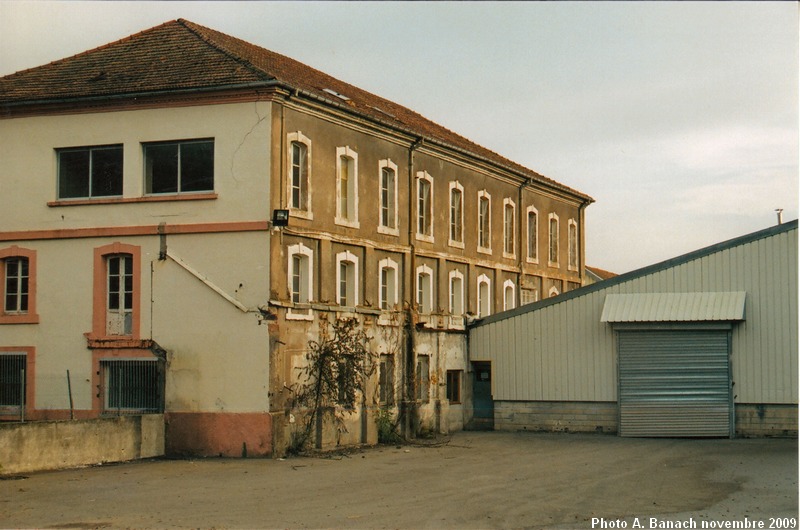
37	446
555	416
766	420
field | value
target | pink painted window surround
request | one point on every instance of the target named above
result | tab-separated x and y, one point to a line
18	286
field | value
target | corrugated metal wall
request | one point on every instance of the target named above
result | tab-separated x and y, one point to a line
562	352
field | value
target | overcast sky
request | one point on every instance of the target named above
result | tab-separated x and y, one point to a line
680	119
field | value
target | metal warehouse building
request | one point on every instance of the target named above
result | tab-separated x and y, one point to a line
705	344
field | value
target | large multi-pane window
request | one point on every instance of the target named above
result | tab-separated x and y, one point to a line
346	186
424	206
533	237
119	306
509	227
90	172
456	215
484	222
388	197
16	285
573	244
553	233
179	167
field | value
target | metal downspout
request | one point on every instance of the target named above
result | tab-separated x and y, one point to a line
409	408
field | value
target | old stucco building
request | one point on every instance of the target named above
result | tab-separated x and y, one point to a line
146	267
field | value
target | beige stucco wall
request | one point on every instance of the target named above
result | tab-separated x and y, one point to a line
204	334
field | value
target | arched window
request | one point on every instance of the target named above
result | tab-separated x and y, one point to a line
347	279
424	289
456	293
346	187
509	295
299	185
553	233
456	237
387	215
484	222
388	284
484	296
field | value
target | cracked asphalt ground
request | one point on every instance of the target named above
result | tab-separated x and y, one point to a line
468	480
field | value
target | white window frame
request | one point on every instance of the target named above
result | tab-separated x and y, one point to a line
424	290
456	299
393	289
457	243
350	217
550	218
484	300
528	296
307	283
352	281
382	228
509	233
572	245
509	295
428	214
483	194
532	257
300	138
553	291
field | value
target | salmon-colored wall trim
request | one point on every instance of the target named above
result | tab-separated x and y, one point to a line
127	200
30	378
218	434
127	231
31	317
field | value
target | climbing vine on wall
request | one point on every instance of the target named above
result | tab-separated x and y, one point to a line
335	375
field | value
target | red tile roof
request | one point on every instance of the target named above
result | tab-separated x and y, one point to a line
600	273
183	56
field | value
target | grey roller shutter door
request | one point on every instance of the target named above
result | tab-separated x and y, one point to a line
674	384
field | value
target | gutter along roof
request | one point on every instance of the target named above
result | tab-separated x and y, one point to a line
183	57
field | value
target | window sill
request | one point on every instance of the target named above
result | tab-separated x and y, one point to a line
388	231
423	237
346	222
301	214
456	244
484	250
118	342
128	200
509	255
19	319
534	261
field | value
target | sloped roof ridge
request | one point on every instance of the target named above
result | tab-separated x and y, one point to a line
644	271
197	30
211	37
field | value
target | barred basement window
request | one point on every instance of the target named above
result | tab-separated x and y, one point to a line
132	386
12	382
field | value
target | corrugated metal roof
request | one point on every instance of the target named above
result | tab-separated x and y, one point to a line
673	307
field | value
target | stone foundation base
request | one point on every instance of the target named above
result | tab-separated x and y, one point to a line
766	420
555	416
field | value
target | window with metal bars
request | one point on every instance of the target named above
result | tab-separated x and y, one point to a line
12	382
132	386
